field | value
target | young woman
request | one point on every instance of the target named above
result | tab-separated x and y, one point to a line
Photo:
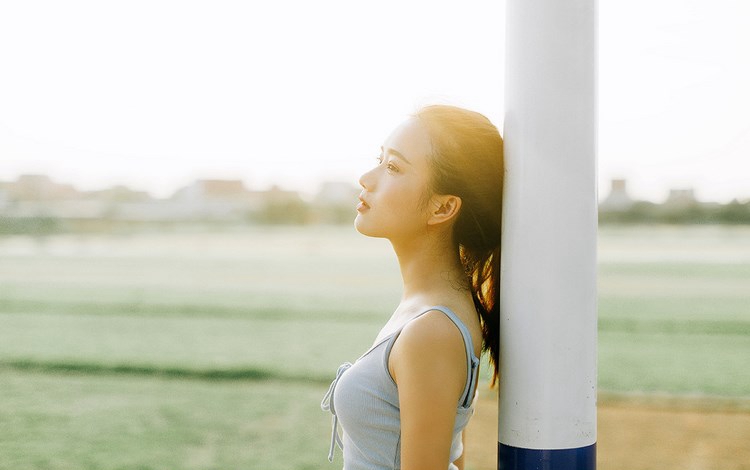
436	195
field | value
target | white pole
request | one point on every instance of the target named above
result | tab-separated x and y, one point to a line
548	299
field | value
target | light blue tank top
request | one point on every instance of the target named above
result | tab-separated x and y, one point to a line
364	399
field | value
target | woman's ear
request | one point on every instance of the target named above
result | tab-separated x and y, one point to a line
444	208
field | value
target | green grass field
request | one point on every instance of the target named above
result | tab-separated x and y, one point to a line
213	350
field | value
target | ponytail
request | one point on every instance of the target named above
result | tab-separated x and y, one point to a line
483	271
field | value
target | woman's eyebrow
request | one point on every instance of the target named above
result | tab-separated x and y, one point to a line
395	154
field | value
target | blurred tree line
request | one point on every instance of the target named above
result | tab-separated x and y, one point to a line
645	212
300	212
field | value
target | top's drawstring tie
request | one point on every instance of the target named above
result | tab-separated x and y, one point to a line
327	405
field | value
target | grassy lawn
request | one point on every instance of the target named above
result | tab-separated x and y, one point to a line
71	421
214	350
306	349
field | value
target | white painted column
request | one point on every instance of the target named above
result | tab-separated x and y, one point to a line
548	296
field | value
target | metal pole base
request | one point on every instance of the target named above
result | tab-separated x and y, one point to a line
515	458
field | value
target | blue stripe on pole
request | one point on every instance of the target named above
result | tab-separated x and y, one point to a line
516	458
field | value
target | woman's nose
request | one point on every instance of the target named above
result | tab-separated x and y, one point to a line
367	180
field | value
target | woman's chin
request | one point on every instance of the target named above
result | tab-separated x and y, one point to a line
361	226
358	225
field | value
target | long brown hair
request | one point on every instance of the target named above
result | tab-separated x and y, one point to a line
467	161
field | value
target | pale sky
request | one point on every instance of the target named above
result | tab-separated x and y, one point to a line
154	94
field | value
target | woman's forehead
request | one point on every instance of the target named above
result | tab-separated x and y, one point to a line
411	140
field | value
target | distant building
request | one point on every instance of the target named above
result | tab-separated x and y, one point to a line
216	199
680	197
229	199
38	196
276	195
39	188
618	198
212	190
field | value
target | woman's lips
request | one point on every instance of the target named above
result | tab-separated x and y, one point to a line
362	206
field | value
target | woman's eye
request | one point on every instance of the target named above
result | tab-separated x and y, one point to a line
390	167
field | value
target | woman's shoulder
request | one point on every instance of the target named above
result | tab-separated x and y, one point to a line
429	347
436	332
434	319
447	319
431	328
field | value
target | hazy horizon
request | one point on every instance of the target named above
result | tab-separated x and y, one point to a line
315	187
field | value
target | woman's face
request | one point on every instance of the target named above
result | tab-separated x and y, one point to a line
393	191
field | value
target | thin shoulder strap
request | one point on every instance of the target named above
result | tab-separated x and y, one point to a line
472	362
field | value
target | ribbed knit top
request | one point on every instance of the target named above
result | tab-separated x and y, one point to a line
364	399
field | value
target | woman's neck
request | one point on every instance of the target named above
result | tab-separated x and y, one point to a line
430	268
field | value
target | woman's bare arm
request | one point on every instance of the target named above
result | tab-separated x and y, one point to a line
428	362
